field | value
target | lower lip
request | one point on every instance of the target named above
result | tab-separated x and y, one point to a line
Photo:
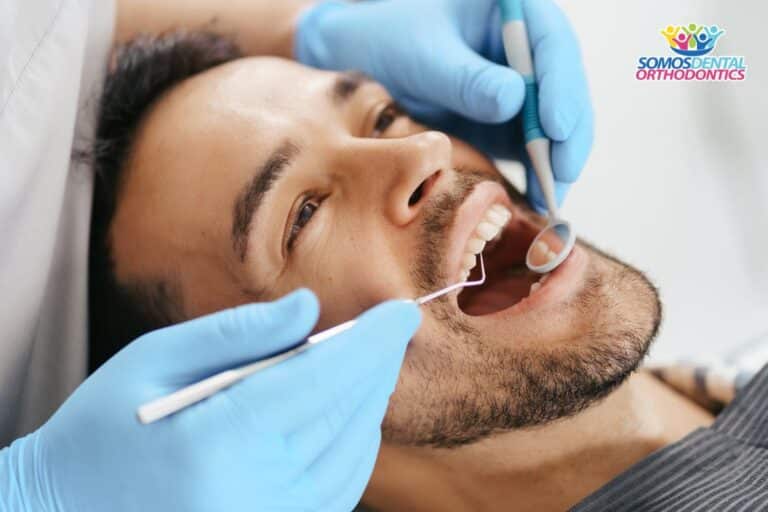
561	284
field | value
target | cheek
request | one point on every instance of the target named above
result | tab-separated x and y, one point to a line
431	335
352	267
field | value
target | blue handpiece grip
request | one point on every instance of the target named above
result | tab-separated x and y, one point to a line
530	112
511	10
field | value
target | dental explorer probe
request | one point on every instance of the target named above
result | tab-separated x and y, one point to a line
169	404
555	242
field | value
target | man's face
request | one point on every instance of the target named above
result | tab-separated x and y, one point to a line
261	176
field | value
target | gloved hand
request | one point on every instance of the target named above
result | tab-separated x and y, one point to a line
444	61
302	435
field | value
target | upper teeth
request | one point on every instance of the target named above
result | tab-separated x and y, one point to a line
542	251
489	227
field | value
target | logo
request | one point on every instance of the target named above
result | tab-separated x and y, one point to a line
691	60
692	39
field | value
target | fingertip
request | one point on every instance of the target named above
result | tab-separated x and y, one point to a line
300	298
405	309
558	122
286	319
570	156
301	305
493	95
402	315
505	93
561	190
411	313
563	100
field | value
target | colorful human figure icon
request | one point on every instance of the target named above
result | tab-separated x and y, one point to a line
702	39
692	30
714	30
713	33
682	39
669	34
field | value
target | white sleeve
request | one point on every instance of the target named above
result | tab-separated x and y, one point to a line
52	55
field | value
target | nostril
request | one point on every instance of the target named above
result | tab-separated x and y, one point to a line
417	194
423	189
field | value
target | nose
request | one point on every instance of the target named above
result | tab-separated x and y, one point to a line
415	165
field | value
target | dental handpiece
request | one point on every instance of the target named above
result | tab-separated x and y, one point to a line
518	52
174	402
554	243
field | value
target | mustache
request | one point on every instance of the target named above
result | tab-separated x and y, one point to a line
440	213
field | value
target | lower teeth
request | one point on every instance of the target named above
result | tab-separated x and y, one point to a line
535	286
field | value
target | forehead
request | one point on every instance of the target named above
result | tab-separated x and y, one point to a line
264	94
210	133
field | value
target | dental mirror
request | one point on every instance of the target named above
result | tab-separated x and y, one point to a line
555	242
550	247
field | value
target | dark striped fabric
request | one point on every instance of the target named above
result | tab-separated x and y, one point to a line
722	468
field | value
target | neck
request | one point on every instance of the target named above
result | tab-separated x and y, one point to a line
551	467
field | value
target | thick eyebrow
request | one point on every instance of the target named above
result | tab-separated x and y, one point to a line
346	84
252	195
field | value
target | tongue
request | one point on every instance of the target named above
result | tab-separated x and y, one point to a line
496	295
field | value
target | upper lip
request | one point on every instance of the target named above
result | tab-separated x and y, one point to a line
484	195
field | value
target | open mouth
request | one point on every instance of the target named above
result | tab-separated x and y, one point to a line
504	239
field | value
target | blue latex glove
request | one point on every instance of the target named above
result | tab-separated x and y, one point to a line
302	435
444	61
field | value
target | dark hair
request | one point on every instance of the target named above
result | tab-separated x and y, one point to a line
141	71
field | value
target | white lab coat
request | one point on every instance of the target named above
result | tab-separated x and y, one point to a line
53	55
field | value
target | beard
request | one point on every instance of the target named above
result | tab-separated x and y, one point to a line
465	385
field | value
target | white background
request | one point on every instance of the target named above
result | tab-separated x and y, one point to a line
677	182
